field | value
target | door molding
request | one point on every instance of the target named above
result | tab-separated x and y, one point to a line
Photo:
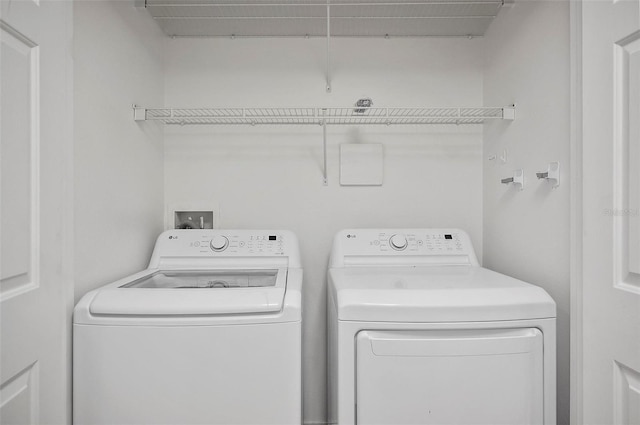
576	211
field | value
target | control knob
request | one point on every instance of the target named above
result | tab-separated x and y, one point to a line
219	243
398	242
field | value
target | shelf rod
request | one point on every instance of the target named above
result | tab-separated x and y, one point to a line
310	4
380	123
324	148
356	18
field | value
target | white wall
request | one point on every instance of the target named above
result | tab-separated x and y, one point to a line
118	61
271	177
526	234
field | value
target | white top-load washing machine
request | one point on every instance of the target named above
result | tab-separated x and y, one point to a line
210	333
420	334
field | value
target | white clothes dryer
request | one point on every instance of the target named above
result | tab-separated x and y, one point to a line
420	334
209	333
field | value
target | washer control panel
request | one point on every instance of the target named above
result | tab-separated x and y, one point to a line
234	243
412	244
226	243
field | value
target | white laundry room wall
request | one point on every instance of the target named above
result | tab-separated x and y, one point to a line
526	233
118	61
271	177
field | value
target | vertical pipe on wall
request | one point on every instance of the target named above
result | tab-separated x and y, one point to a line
328	43
324	146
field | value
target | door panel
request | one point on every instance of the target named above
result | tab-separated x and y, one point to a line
626	395
20	398
611	211
19	179
36	154
626	165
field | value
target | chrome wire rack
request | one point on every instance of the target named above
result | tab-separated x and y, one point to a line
320	116
323	117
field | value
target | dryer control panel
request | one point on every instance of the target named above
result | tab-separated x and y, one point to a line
402	246
226	244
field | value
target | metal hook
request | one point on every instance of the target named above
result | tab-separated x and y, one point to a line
516	180
552	174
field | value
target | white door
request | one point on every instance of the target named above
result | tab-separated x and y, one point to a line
611	211
35	200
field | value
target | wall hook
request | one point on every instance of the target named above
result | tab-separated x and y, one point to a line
517	179
552	174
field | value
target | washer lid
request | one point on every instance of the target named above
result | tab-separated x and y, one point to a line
194	292
435	294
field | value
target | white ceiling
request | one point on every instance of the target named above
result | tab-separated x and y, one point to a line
300	18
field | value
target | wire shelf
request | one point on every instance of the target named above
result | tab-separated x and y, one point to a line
319	116
358	115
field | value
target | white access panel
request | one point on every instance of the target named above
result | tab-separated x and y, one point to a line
171	375
449	377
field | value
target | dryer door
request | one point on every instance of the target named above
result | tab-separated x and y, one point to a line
449	377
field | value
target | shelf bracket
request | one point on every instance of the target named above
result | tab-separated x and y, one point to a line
139	114
328	45
509	113
324	147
